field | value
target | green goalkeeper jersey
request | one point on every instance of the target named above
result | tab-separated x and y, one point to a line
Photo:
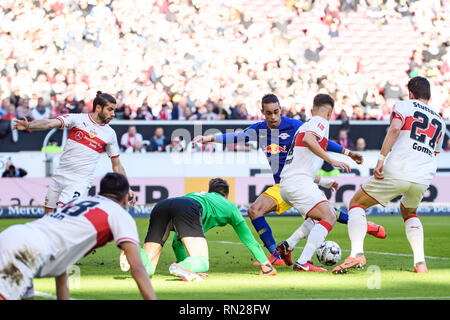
218	212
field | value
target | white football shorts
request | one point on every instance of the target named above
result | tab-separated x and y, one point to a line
387	189
62	189
20	259
302	193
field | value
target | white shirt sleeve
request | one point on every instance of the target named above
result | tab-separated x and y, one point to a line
400	109
68	120
317	126
112	148
123	228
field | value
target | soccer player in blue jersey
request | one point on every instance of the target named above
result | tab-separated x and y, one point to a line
274	136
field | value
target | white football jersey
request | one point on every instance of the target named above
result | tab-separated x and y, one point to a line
73	231
86	141
412	157
301	160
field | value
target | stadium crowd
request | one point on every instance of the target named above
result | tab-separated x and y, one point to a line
204	60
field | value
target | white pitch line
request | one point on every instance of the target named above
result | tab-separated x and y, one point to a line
373	252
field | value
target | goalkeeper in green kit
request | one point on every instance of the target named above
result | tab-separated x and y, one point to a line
190	216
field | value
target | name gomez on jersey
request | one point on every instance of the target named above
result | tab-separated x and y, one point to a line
413	156
86	141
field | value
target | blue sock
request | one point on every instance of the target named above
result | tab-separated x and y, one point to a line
265	233
341	216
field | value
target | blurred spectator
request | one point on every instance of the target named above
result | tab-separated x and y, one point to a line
23	110
12	172
175	145
222	113
131	141
11	113
158	141
165	113
203	50
343	139
126	115
144	113
392	91
360	144
4	107
41	111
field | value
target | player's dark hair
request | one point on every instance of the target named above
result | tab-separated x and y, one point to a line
269	98
114	185
420	88
102	99
219	186
322	100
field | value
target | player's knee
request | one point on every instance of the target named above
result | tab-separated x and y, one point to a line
254	212
330	218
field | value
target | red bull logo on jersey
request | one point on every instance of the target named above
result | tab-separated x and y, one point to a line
273	148
284	136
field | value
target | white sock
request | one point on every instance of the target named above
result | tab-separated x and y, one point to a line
357	228
315	239
414	234
301	233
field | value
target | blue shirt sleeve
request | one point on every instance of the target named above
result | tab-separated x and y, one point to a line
334	147
249	134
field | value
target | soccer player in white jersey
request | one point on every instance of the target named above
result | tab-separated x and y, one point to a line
88	137
406	165
47	247
298	187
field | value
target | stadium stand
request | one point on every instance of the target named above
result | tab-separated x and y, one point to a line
185	54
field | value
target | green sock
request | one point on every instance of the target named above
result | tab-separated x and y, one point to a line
195	264
146	261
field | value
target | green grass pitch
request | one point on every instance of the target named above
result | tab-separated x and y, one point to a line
388	274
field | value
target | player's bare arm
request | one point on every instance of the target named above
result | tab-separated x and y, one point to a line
118	168
391	136
62	287
203	139
44	124
138	270
358	158
310	141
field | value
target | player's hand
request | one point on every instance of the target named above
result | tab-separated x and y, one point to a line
131	198
21	124
328	183
334	186
358	158
267	269
378	171
202	140
341	165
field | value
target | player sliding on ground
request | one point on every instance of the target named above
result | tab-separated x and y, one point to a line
47	247
88	137
274	136
191	216
297	186
406	166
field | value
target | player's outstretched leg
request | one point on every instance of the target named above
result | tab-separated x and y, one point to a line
286	247
256	213
372	228
357	230
324	213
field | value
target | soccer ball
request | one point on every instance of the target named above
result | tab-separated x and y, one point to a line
329	253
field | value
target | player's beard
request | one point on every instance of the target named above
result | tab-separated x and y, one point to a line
103	118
